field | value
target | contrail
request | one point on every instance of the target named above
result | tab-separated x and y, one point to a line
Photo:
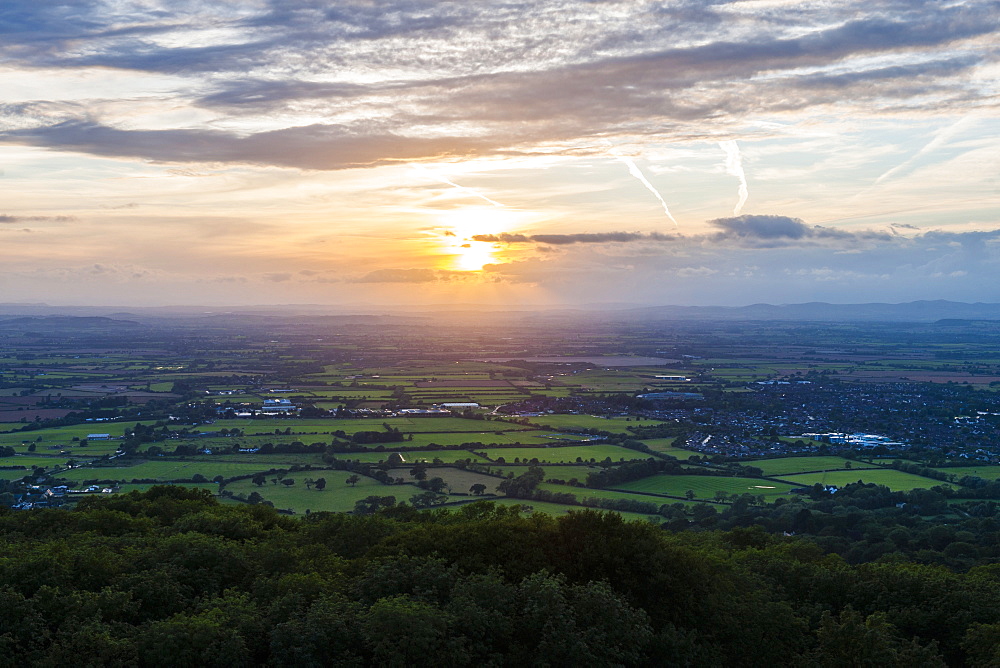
634	170
734	167
469	191
941	137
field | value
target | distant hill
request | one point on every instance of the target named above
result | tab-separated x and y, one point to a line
64	322
918	311
97	316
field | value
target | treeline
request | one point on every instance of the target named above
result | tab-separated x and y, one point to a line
169	577
867	523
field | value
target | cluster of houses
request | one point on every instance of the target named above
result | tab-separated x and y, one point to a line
856	440
42	496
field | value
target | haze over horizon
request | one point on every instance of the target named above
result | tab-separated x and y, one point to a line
539	153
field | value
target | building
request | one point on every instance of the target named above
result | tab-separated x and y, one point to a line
279	407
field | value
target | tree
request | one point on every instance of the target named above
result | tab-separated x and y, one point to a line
351	480
320	484
288	482
259	479
435	484
689	494
478	489
419	471
427	499
372	504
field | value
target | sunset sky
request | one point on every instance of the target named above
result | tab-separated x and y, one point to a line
543	153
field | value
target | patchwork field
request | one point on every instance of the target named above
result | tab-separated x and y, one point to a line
567	454
445	456
895	480
337	496
984	472
788	465
705	487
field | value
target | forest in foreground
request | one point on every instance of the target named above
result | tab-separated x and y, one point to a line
172	577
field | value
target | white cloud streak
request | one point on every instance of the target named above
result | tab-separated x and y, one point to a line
469	191
941	138
634	170
734	167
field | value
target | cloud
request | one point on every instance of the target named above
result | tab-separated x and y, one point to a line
6	219
783	230
434	80
581	238
278	277
755	230
399	276
321	147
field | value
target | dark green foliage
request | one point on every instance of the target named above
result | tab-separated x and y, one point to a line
169	577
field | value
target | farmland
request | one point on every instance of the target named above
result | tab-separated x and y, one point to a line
380	403
896	480
705	487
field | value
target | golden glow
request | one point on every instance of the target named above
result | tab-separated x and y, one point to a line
474	255
466	254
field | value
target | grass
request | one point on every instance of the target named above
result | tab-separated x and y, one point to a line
583	493
486	438
568	454
895	480
985	472
170	470
338	496
35	460
557	509
789	465
705	487
616	425
446	456
458	479
125	488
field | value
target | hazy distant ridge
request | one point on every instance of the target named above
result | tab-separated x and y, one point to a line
917	311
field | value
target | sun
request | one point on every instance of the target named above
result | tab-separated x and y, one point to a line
475	255
462	250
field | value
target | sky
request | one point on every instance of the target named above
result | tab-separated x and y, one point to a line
543	153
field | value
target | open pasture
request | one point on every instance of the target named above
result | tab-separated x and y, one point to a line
337	496
789	465
458	480
486	438
584	493
616	425
169	470
567	454
705	487
558	509
445	456
894	480
984	471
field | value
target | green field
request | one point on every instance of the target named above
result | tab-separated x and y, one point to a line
583	493
458	480
486	438
127	487
705	487
557	509
985	472
45	462
338	496
789	465
446	456
568	454
895	480
615	424
169	470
